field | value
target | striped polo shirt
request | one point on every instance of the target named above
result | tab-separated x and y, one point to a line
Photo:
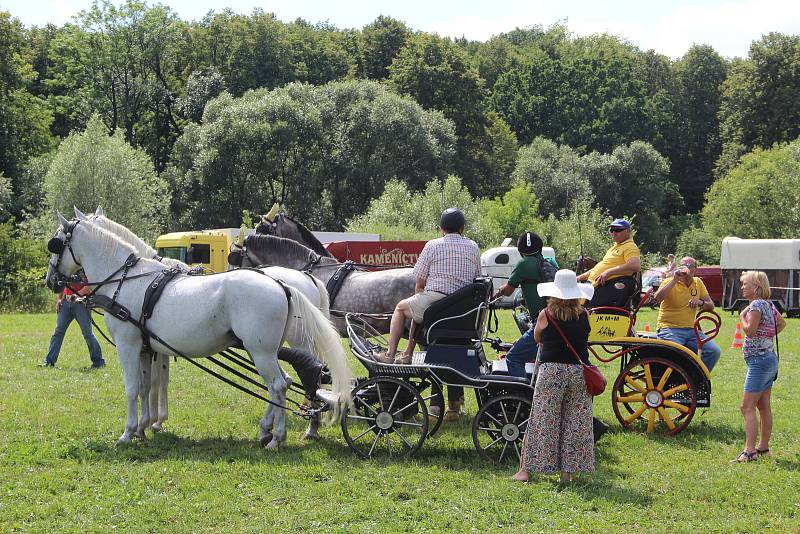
448	263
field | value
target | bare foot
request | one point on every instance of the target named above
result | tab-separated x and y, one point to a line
521	476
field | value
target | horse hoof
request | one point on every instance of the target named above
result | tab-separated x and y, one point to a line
156	427
139	434
311	436
124	439
274	444
265	440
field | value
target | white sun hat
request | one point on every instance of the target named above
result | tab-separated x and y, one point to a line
565	287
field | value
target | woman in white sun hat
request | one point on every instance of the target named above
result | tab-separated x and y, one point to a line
559	434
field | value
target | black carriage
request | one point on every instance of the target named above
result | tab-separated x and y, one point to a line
390	414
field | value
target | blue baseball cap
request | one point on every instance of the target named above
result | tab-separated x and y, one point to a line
620	223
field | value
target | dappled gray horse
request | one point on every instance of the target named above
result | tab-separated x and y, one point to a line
369	292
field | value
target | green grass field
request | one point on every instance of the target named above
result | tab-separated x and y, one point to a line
60	470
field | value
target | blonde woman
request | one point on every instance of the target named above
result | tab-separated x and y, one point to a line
761	322
559	436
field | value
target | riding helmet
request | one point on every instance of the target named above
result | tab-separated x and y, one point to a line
452	220
529	243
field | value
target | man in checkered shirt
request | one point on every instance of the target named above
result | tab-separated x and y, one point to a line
445	265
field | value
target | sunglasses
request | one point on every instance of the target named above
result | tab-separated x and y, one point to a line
615	230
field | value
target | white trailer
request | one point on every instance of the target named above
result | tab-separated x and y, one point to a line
778	258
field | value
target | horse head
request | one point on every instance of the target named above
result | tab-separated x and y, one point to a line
62	268
583	264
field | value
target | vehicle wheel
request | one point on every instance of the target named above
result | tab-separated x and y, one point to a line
428	388
388	417
499	428
654	392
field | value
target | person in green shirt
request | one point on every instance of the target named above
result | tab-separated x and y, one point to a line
527	273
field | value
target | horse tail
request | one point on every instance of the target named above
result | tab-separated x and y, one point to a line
327	343
324	298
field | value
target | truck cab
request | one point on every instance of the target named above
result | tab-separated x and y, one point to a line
206	248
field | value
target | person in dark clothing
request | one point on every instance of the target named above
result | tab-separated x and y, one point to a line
69	308
527	274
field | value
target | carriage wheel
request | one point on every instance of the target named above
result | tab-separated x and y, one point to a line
423	385
654	392
499	428
388	417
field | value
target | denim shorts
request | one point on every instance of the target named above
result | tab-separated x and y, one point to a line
761	371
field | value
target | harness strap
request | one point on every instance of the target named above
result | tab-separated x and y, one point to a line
336	281
151	296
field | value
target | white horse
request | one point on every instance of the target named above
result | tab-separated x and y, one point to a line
311	287
197	316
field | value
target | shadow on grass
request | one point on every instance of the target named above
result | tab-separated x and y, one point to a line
696	436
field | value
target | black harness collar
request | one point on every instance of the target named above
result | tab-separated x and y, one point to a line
336	281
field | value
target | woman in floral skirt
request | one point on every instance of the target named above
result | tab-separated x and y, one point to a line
559	434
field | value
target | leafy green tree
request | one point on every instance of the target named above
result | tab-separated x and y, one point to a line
382	41
93	169
6	198
23	264
494	57
401	213
24	118
515	213
591	93
696	144
319	53
201	87
760	99
323	152
631	179
553	173
758	198
120	62
438	75
583	230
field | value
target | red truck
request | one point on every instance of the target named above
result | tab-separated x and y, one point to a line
381	254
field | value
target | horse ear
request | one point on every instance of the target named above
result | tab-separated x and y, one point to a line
273	211
64	223
79	214
99	212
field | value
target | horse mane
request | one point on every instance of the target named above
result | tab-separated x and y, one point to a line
110	242
139	244
309	237
126	235
263	245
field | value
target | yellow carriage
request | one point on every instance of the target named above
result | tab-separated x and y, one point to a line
660	384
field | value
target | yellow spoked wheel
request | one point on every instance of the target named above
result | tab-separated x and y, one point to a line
655	395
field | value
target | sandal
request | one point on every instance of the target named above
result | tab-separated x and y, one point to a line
763	452
745	456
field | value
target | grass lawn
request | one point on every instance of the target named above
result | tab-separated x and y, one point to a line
60	470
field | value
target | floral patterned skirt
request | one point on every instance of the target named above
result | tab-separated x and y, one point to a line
559	435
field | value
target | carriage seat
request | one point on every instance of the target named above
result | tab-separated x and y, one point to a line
458	318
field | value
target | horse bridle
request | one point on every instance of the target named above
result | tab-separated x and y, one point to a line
58	246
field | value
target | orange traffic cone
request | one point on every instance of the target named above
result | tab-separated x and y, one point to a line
738	340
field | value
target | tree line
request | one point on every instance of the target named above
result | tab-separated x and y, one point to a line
184	124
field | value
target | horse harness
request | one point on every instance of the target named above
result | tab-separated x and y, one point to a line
336	281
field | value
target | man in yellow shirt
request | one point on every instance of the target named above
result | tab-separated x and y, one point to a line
614	277
681	297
